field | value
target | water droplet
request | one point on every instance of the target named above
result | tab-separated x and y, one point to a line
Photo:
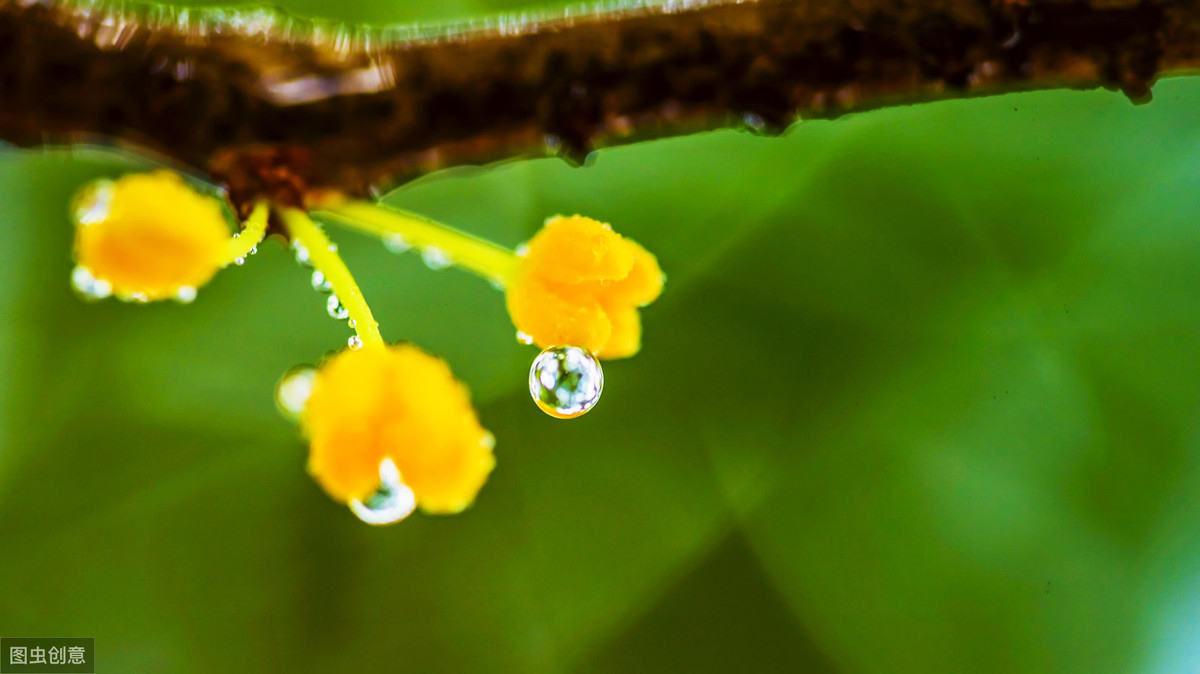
88	286
352	324
355	342
396	243
140	298
336	309
488	441
565	381
320	283
293	390
435	258
302	257
392	502
524	338
254	250
239	261
522	250
93	203
333	247
185	295
754	123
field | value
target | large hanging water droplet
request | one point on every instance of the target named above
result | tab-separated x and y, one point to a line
566	381
89	287
354	343
392	502
93	203
293	390
320	283
336	309
435	258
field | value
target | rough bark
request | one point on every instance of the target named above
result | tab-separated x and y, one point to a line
283	108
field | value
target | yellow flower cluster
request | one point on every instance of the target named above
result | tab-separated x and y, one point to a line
150	235
401	403
581	284
375	410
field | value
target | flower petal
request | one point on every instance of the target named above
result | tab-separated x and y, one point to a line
552	319
577	249
158	236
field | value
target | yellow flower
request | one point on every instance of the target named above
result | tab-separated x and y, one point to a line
149	236
580	284
398	403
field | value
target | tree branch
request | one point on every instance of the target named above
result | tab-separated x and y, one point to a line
282	108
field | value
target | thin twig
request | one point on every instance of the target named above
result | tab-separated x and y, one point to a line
282	109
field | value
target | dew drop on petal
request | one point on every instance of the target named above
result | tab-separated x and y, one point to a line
336	309
185	295
435	258
396	243
352	324
254	250
522	250
320	283
293	390
565	381
355	343
88	286
524	338
239	261
93	203
392	502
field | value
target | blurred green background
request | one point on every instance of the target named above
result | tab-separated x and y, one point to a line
922	395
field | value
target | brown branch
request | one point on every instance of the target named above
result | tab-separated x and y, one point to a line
282	108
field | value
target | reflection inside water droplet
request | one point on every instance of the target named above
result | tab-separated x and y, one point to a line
93	203
293	390
336	309
392	502
566	381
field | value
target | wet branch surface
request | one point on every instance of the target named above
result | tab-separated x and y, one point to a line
275	107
